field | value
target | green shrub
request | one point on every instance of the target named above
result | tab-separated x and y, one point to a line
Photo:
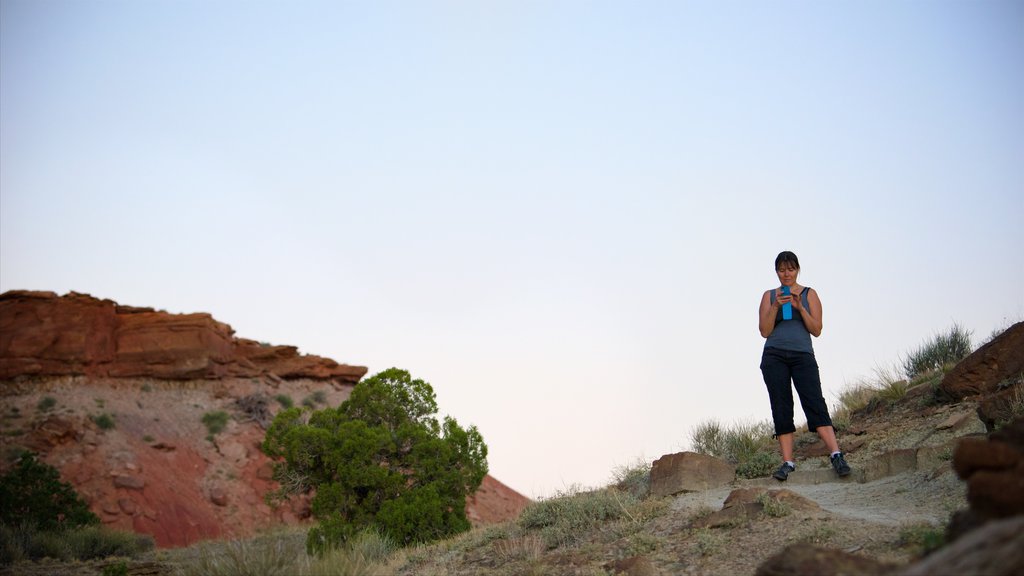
104	421
46	404
379	461
760	464
33	493
285	400
943	350
215	421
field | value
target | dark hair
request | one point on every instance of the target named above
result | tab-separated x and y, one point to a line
787	257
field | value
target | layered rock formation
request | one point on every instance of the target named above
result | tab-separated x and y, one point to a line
42	334
122	401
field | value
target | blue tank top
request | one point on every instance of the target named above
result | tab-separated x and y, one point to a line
790	334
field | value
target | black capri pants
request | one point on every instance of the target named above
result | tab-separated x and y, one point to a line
779	368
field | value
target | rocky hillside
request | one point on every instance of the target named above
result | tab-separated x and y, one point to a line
156	418
937	488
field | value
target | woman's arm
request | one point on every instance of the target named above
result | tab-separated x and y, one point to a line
811	316
766	314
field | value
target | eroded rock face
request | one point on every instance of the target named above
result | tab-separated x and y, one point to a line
982	372
42	334
688	472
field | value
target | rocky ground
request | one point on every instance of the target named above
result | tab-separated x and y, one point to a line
902	490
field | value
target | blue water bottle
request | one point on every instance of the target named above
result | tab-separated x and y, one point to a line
787	308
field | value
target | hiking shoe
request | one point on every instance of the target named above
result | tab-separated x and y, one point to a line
783	472
840	465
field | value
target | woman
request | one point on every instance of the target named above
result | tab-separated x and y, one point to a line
789	357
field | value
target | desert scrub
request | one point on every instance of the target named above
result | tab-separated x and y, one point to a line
215	422
773	507
563	518
284	400
46	404
315	399
634	479
758	465
944	349
746	445
104	421
708	541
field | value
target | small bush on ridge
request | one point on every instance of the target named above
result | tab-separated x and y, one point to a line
942	350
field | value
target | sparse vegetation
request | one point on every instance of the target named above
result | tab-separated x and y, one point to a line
923	537
944	349
562	519
634	479
315	399
46	404
708	541
104	421
773	507
283	552
748	446
215	422
284	400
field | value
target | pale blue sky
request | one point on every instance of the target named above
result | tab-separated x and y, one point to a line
561	214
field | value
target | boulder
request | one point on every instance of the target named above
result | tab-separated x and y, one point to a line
745	504
982	372
993	468
688	472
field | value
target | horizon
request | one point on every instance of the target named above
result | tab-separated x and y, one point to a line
560	215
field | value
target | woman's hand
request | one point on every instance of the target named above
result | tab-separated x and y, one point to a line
780	300
795	301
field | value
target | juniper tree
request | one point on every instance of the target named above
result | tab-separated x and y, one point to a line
380	460
33	493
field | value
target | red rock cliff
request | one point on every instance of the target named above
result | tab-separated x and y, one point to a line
42	334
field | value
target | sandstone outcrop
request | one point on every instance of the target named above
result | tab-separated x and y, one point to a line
42	334
985	370
688	472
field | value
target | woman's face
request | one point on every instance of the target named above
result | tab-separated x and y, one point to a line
787	273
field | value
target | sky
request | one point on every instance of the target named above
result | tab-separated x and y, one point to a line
561	214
